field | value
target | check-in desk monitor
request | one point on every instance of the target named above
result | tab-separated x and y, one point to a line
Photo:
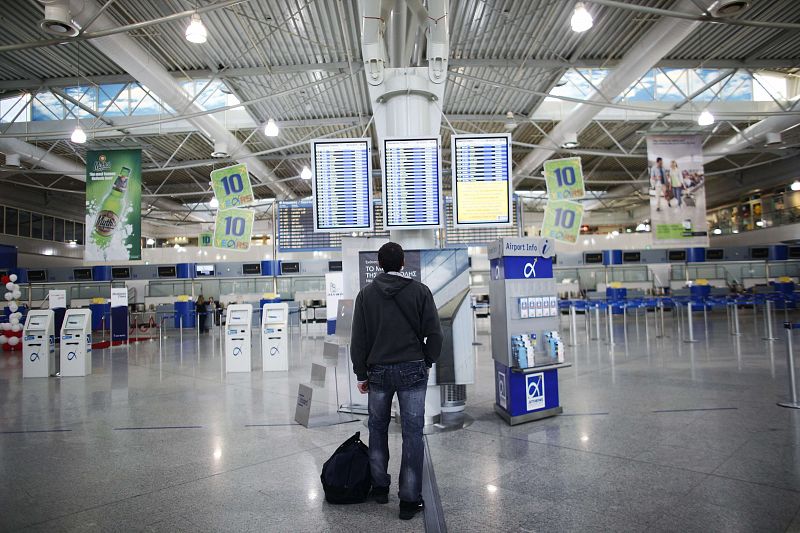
238	326
275	337
38	345
76	343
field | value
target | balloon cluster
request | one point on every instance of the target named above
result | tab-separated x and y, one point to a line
11	331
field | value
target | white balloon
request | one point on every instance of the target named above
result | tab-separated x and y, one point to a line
13	307
13	341
16	328
9	286
17	295
13	278
14	320
5	326
8	296
15	315
3	339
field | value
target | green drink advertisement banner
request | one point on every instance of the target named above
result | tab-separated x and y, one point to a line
233	229
562	221
113	205
564	179
232	186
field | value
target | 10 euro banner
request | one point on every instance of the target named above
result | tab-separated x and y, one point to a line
232	186
562	221
233	229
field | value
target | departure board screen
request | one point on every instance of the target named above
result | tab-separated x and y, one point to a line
482	180
342	184
412	183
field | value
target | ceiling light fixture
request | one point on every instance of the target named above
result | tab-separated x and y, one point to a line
196	30
214	203
581	19
150	241
570	141
705	118
305	173
78	135
271	129
795	186
510	124
717	231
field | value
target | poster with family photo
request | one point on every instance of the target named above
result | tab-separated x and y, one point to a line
677	189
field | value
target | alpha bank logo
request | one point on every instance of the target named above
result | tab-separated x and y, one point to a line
496	273
502	397
530	269
534	391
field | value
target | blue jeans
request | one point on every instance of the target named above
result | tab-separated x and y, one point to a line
410	381
678	193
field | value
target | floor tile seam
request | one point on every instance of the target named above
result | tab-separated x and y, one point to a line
609	456
176	485
768	485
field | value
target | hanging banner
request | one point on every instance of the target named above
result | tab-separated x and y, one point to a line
562	221
564	178
205	239
233	229
113	205
677	189
232	186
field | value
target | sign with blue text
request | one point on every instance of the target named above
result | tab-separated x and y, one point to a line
562	221
233	229
232	186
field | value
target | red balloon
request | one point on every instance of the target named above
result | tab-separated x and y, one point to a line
5	279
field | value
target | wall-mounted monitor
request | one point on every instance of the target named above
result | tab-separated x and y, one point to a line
631	257
251	269
593	258
341	184
794	253
35	276
715	254
204	270
412	183
334	266
759	253
82	274
290	267
481	180
120	273
166	271
676	255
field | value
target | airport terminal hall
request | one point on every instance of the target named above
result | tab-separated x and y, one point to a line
399	265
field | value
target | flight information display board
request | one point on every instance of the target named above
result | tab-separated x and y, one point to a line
341	184
296	228
482	180
412	183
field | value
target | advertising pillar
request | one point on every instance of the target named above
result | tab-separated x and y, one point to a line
119	315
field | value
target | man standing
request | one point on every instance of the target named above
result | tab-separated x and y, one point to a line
396	338
658	180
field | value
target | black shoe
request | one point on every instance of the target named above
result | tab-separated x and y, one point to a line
409	509
380	494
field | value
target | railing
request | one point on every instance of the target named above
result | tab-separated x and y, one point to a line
768	219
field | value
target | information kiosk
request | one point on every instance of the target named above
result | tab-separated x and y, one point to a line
76	343
39	345
274	337
238	324
526	347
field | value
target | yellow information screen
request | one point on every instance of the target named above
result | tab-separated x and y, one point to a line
482	180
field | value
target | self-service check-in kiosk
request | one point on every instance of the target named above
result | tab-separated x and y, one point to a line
237	338
39	345
274	337
76	343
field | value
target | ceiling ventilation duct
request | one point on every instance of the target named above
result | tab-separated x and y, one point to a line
773	138
58	19
12	160
728	8
220	149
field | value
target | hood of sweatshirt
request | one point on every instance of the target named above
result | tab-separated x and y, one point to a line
388	285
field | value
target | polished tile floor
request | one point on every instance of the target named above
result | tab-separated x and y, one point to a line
656	435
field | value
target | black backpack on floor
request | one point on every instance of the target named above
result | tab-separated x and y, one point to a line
346	476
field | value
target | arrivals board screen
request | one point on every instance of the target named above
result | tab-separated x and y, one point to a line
412	183
482	180
341	184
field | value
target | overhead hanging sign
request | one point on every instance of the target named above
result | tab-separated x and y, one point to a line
341	184
562	221
233	229
481	180
205	239
677	189
564	178
113	205
232	186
